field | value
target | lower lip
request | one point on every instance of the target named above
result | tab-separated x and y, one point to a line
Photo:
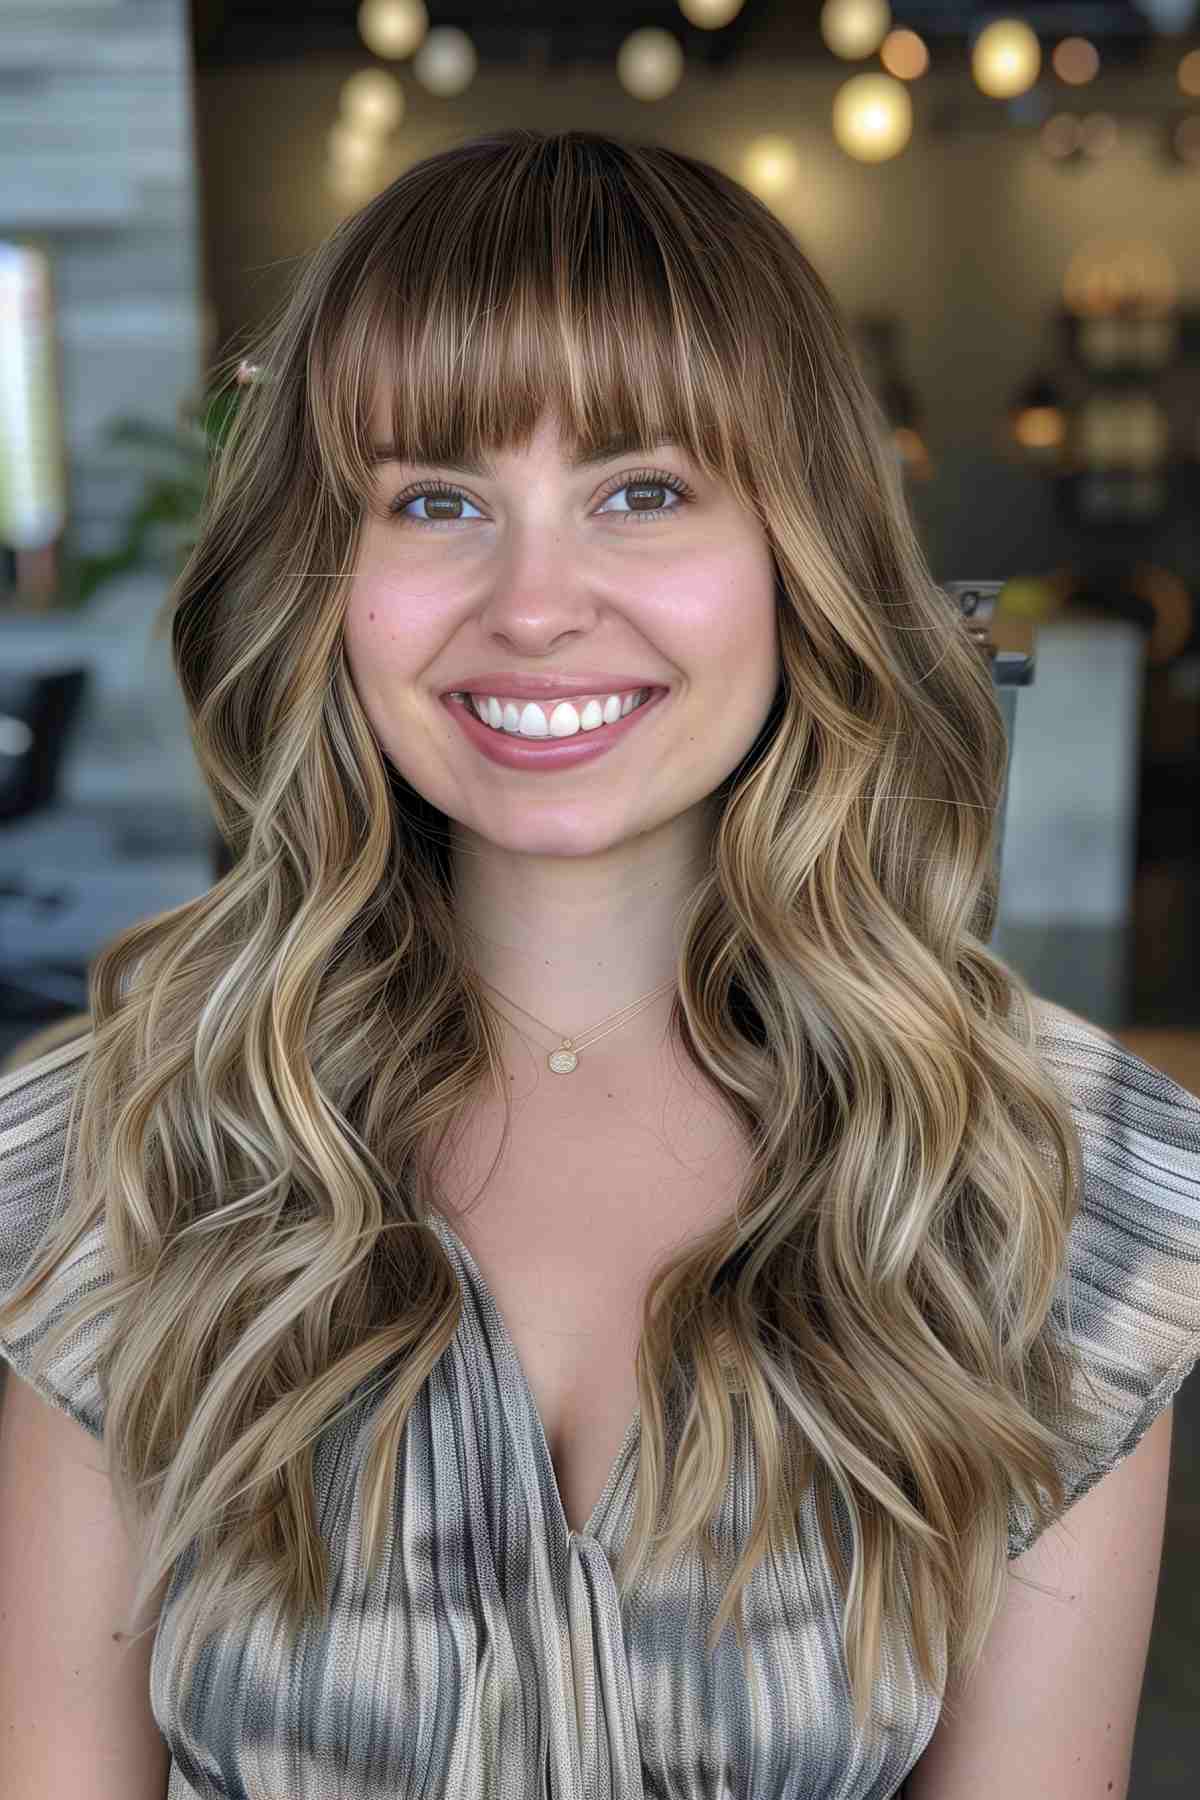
513	752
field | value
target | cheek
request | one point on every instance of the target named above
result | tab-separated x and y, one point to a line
372	608
385	630
721	607
380	655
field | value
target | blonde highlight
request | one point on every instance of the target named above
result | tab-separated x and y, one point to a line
274	1065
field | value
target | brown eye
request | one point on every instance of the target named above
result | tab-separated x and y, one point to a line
647	483
646	487
429	490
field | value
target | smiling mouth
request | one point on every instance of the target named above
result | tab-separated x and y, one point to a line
532	722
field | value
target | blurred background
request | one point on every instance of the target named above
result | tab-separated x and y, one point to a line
1006	205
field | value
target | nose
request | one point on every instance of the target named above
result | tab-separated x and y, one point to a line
533	598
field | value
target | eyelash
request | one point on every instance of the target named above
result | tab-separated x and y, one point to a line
644	478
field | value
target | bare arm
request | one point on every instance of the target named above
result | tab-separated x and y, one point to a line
75	1712
1052	1707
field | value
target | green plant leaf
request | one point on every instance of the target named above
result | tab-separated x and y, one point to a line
176	462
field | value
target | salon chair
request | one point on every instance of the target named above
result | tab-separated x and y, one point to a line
1005	644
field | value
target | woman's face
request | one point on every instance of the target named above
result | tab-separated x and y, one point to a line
537	568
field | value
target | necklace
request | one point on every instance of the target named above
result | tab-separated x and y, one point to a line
566	1057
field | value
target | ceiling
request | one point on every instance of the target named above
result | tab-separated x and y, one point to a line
557	33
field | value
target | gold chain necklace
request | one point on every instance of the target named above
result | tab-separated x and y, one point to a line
566	1057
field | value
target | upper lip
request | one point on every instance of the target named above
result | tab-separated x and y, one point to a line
549	687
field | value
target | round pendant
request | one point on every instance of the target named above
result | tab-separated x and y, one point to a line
562	1061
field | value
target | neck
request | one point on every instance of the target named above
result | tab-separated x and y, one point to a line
573	941
637	1025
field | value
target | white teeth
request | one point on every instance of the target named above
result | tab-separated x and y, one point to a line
565	719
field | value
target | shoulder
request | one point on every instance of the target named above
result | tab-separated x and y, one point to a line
36	1134
1139	1127
1052	1706
1126	1109
38	1082
1128	1297
36	1100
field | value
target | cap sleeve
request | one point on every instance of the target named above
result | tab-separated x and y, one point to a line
35	1106
1129	1298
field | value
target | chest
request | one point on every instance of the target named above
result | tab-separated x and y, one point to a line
589	1201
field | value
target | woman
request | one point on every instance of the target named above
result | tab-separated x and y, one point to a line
579	1204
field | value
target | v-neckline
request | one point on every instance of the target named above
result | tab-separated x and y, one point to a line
509	1349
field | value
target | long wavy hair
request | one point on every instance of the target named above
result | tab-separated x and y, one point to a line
274	1065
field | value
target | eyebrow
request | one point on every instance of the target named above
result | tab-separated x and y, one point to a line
619	445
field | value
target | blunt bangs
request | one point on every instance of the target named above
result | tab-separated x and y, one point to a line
628	348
